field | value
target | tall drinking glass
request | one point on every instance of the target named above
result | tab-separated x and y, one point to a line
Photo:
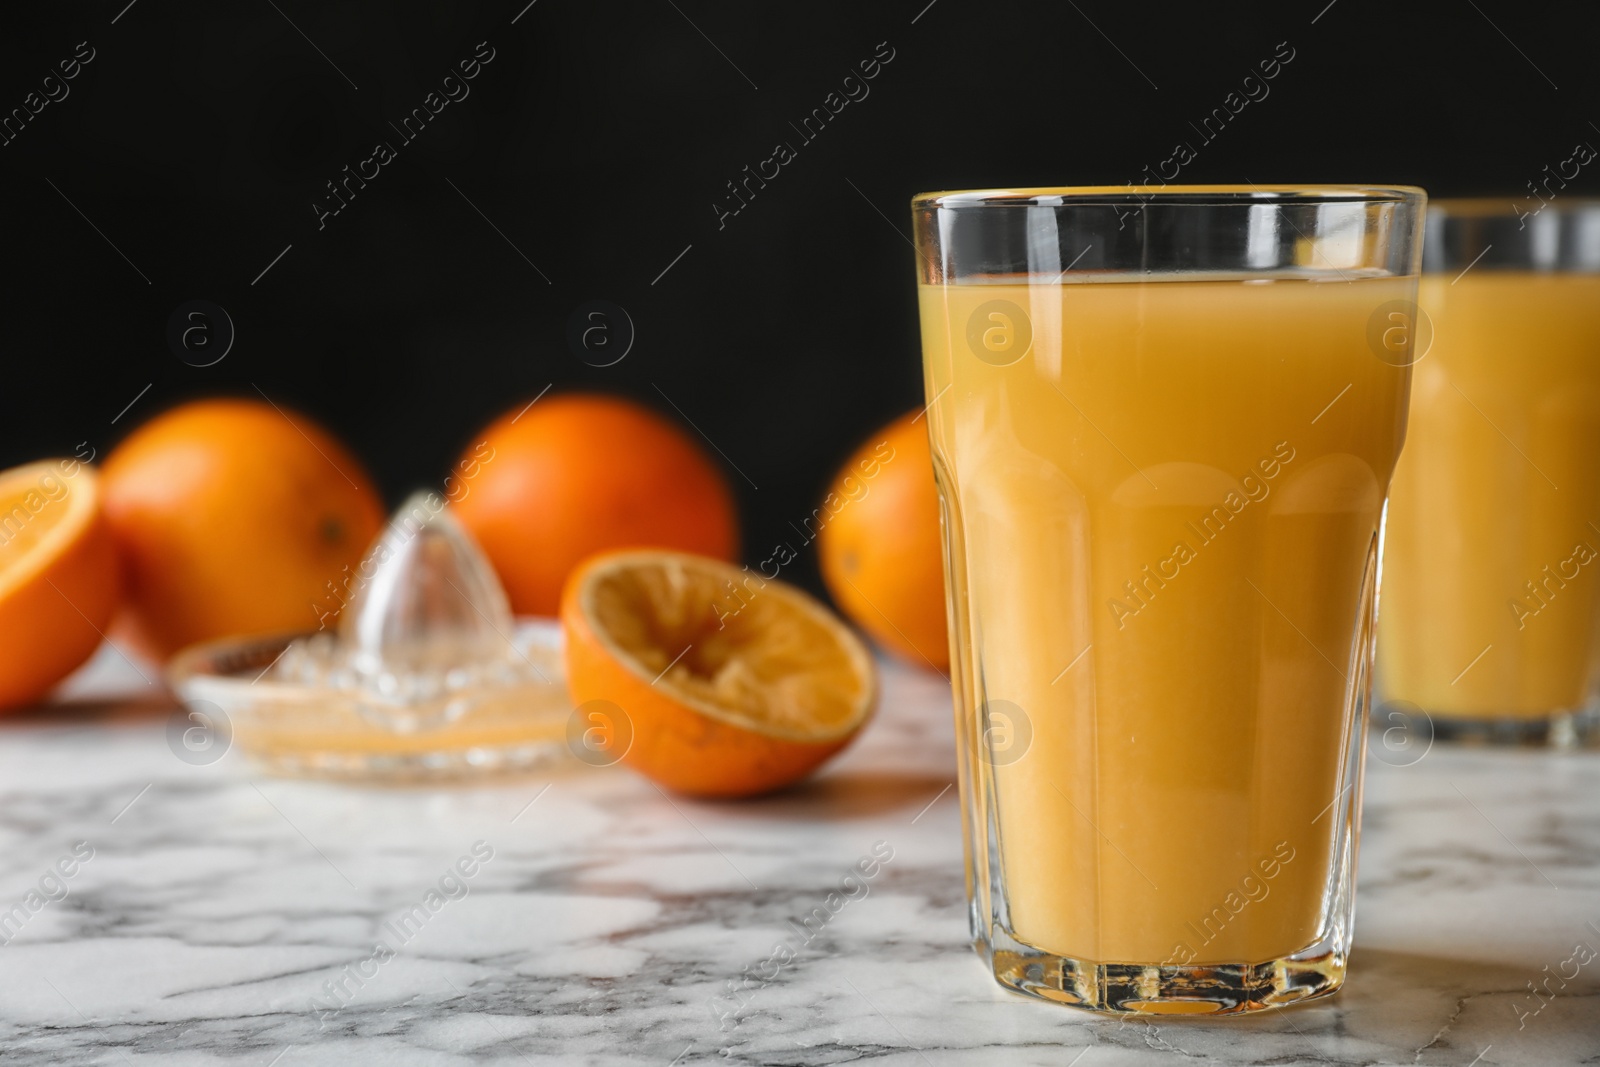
1163	426
1492	604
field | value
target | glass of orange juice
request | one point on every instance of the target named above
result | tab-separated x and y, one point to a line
1163	425
1492	602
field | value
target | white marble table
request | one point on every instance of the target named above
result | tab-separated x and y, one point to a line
218	909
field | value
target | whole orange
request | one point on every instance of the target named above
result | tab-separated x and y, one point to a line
878	543
548	484
58	575
235	517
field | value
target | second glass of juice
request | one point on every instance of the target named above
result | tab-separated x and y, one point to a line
1163	426
1492	604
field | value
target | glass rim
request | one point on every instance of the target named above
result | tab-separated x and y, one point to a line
1560	235
1170	195
1486	207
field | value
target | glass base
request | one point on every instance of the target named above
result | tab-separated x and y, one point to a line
1558	730
1194	989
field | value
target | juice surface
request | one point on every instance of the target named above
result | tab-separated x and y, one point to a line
1490	595
1163	522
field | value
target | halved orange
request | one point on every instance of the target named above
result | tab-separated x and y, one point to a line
58	575
732	684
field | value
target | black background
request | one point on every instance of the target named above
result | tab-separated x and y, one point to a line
596	143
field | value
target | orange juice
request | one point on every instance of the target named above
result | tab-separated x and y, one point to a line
1491	596
1163	521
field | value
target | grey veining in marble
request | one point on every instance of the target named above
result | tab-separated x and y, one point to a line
225	918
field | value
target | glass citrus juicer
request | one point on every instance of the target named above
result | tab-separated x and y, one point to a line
427	673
